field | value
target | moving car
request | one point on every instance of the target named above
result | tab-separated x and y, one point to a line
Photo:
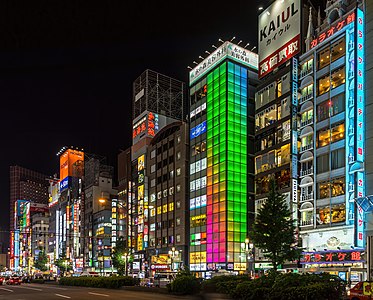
162	279
14	280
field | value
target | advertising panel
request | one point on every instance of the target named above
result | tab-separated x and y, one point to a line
54	189
67	160
333	256
279	34
226	50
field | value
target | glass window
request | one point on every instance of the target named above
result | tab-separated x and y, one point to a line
338	49
323	215
338	77
337	187
308	115
337	104
308	90
322	163
323	110
323	85
338	213
338	158
338	132
323	137
323	190
323	58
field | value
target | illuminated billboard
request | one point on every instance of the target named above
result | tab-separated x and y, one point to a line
279	34
54	190
146	126
226	50
67	161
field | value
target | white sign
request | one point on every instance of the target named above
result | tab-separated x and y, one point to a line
226	50
279	34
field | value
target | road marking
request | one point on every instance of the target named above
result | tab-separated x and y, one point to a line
30	288
56	288
97	294
6	289
63	296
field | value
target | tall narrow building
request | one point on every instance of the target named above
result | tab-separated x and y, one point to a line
221	178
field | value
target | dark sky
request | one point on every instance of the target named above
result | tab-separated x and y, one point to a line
67	68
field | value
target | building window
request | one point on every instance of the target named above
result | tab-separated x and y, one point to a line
171	174
322	163
325	136
152	168
178	139
198	148
159	195
338	158
336	214
159	210
152	183
170	206
338	77
178	171
323	85
178	221
178	155
171	191
152	154
338	49
178	238
178	204
164	208
171	144
323	58
152	212
178	188
333	188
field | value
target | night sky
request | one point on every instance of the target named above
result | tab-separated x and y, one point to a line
67	68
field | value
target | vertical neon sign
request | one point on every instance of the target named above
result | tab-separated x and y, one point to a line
360	134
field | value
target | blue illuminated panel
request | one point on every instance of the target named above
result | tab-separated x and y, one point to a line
198	130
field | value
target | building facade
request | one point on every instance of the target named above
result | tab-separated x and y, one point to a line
221	186
332	137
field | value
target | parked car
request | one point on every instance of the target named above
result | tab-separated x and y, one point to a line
89	274
357	292
14	280
2	280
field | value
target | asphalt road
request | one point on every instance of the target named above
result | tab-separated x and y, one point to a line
55	292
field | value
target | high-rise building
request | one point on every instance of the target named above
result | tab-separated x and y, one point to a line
25	185
158	101
28	185
332	132
221	179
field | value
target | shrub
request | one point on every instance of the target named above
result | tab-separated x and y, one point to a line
37	280
113	282
222	283
184	285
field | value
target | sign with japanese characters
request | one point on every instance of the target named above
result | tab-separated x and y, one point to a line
279	34
333	29
333	256
226	50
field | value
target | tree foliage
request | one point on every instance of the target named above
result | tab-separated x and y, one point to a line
118	261
273	230
41	261
63	264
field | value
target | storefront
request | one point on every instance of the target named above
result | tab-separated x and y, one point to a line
349	265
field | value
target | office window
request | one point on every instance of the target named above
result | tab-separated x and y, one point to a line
322	163
338	186
178	204
178	139
152	154
178	171
338	49
178	188
323	189
323	58
324	136
338	158
323	85
338	77
152	183
152	168
178	155
178	238
178	221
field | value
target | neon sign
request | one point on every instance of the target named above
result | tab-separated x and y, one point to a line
333	256
198	130
336	27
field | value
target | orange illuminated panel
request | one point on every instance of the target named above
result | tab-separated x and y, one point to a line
67	159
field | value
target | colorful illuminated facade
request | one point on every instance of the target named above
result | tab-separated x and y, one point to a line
221	141
332	136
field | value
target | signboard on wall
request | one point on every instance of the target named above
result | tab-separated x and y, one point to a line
67	161
279	34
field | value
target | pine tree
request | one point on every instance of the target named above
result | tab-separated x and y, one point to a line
273	230
41	261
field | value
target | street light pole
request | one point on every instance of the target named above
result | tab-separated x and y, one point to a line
249	251
125	257
173	254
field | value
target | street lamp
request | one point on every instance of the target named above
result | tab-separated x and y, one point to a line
173	254
125	257
248	248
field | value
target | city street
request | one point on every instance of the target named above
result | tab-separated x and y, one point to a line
55	292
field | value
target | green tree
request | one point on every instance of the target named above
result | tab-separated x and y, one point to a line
63	264
273	230
119	260
41	261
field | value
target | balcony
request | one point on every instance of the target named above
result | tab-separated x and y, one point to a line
304	223
306	197
307	122
305	98
306	147
304	73
306	172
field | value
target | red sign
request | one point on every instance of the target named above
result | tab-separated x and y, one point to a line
336	27
277	58
328	257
